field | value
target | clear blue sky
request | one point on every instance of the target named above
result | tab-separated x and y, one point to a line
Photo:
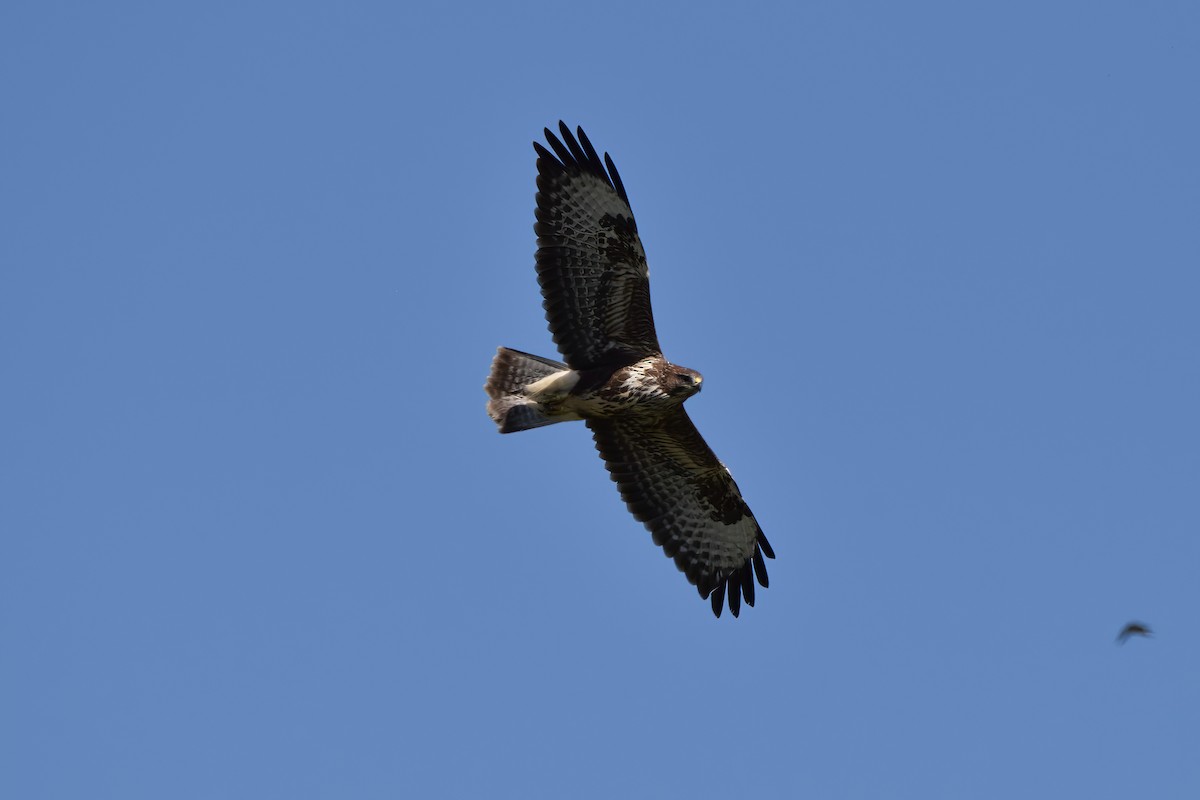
940	268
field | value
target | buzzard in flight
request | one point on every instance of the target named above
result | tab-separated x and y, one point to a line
596	292
1133	629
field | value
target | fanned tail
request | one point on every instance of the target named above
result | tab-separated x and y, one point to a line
512	407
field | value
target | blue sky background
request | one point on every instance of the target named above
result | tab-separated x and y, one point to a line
939	265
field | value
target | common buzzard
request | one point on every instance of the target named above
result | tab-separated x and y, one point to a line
596	292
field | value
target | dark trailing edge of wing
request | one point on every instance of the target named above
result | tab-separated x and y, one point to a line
578	155
738	585
627	451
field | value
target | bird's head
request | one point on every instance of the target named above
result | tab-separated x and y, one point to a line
684	382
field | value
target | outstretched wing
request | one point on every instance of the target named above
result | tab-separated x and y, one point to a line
673	482
590	261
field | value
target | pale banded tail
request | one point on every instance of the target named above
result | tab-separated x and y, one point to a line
515	387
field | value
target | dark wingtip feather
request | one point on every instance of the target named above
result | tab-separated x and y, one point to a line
760	567
615	177
560	150
734	585
569	139
765	545
588	150
574	151
746	574
718	600
737	585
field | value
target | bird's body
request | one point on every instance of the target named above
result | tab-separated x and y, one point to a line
1134	629
596	292
565	394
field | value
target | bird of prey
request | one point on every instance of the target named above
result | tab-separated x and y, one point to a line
596	293
1134	629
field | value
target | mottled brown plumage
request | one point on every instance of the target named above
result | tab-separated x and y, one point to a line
596	293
